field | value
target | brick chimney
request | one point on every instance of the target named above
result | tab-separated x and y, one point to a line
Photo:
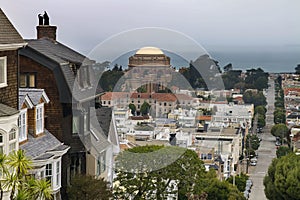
46	31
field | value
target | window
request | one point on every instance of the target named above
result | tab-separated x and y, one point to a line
39	119
48	172
12	134
1	143
12	147
75	125
3	72
101	166
28	80
84	77
22	126
12	137
209	156
85	122
58	173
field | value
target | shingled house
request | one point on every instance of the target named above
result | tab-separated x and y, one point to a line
44	149
10	42
68	79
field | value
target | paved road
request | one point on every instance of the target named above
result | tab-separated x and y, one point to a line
266	151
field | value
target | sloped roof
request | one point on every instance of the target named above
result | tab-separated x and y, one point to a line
41	147
34	94
8	33
7	111
57	52
58	58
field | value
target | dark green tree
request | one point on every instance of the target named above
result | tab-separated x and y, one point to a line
227	67
145	108
240	181
88	187
132	107
279	117
297	69
283	151
252	142
261	121
151	171
279	130
220	190
110	78
260	110
283	178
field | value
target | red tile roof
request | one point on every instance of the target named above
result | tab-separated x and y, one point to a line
204	117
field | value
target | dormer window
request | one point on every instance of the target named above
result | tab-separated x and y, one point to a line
84	77
39	113
3	72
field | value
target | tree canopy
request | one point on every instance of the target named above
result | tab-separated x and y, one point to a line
156	172
252	142
88	187
279	130
145	108
283	151
283	178
258	99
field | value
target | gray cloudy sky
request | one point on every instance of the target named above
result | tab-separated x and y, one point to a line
84	24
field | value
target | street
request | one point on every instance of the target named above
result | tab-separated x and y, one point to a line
266	151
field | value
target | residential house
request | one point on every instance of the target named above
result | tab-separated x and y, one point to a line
10	43
225	144
44	149
68	79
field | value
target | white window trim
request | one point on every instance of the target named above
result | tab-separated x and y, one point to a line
39	106
21	139
4	84
13	141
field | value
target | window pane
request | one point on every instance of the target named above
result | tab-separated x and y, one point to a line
1	138
31	80
12	134
75	124
2	78
12	147
23	80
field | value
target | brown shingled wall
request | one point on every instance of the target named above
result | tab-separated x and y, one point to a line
9	94
45	80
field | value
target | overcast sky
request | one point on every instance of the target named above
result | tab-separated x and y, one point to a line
84	24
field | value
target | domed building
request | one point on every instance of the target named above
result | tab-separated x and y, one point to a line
149	56
149	69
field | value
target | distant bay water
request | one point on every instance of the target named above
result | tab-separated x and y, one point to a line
270	59
276	59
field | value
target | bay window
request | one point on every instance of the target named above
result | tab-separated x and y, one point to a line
12	136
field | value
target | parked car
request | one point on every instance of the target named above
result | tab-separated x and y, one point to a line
278	143
246	194
253	163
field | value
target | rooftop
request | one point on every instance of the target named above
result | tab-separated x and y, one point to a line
41	147
8	33
7	111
